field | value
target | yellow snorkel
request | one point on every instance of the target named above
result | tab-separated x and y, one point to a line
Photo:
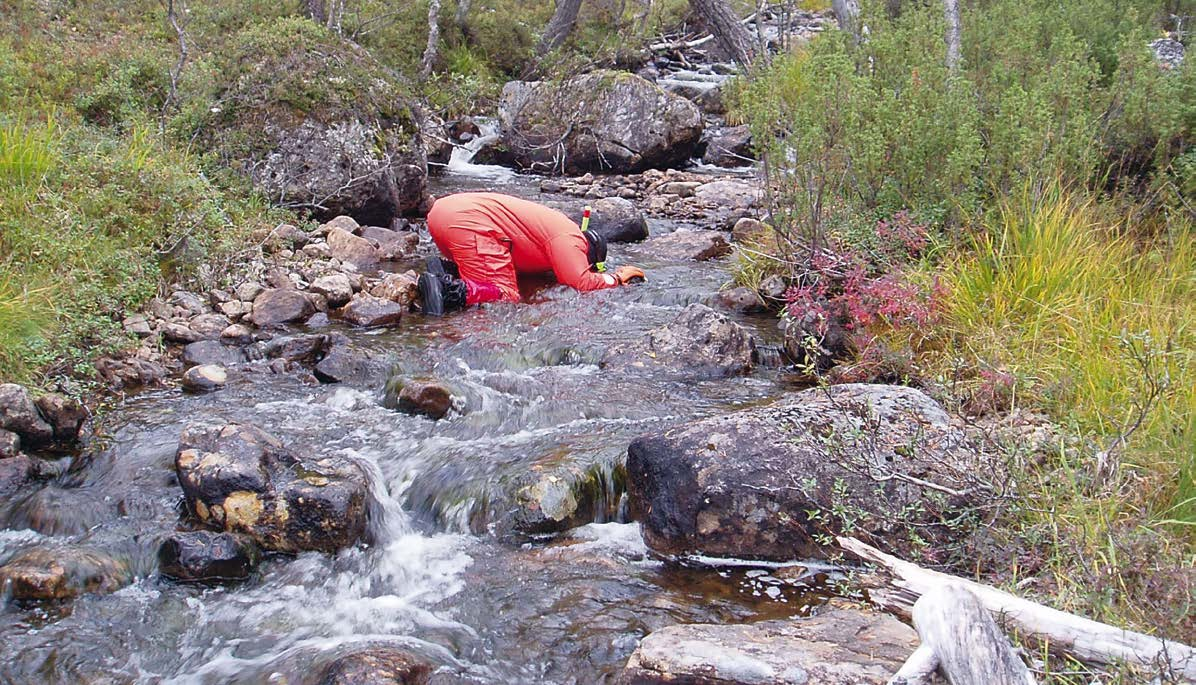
585	226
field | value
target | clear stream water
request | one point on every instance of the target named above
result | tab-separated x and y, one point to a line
484	608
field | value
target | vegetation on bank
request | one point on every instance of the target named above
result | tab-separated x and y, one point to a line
1015	235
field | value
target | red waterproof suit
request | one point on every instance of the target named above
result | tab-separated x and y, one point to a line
492	237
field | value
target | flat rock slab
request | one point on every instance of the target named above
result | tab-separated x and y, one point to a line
836	647
699	343
775	482
685	245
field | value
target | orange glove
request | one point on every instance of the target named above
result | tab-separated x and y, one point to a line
629	274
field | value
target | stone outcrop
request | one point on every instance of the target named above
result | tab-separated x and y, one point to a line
837	647
603	121
239	479
774	482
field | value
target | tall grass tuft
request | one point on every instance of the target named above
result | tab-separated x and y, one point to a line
1100	327
27	152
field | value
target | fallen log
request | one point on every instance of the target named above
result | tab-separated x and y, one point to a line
1061	632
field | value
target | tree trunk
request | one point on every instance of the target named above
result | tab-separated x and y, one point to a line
1085	639
560	26
847	13
727	29
315	10
951	12
433	39
461	20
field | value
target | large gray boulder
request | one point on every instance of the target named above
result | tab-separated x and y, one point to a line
837	647
314	122
604	121
777	482
239	479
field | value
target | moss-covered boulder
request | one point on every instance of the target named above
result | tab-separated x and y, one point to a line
312	120
604	122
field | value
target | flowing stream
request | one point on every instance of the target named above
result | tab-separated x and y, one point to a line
440	578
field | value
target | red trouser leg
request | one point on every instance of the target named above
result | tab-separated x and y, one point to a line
484	262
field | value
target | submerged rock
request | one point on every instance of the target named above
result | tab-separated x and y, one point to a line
774	482
207	556
63	573
603	121
684	244
836	647
700	342
376	666
240	479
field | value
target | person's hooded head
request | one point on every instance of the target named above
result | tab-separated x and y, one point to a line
595	250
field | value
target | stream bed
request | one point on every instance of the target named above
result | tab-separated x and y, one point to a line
441	577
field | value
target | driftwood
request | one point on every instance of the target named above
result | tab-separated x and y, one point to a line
961	640
1061	632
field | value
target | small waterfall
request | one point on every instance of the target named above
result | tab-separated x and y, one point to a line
461	159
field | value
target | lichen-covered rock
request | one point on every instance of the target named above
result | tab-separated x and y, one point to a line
204	555
315	122
19	414
683	245
837	647
742	300
401	288
700	343
773	482
603	121
367	311
63	573
239	479
280	305
376	666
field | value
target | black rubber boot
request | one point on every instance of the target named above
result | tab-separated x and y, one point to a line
440	293
439	265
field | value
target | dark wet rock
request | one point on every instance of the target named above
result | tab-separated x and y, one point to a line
684	244
129	373
306	348
563	496
837	647
10	444
209	326
353	249
423	398
204	378
376	666
742	300
391	244
336	288
617	219
211	353
748	230
605	121
771	482
279	306
400	288
728	147
368	311
19	414
700	342
16	473
239	479
318	320
65	416
204	555
349	145
40	573
342	364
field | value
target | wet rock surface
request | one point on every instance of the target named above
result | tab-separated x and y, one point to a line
367	311
772	482
837	647
65	416
204	378
699	342
239	479
17	472
211	353
207	556
728	147
42	573
376	666
423	398
687	244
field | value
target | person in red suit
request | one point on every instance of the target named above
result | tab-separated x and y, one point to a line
493	238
